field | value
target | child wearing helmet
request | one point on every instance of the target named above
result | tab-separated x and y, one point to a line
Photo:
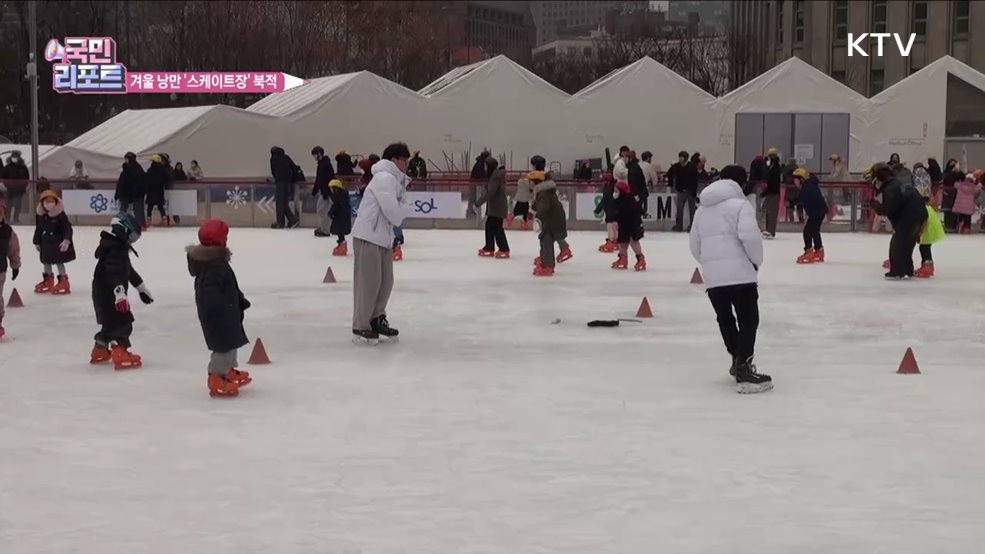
111	281
53	239
221	306
816	208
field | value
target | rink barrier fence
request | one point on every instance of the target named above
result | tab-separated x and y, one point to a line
250	203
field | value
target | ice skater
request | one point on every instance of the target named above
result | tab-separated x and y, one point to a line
10	254
156	179
607	208
726	241
53	239
381	211
341	215
110	283
322	191
221	306
524	190
964	202
906	211
495	196
629	217
811	202
553	223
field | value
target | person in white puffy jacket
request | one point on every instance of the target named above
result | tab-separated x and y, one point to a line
726	241
383	207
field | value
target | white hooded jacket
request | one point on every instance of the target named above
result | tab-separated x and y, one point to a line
725	237
382	207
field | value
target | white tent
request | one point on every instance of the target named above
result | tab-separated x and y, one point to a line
495	104
644	105
357	112
909	117
227	141
793	86
24	149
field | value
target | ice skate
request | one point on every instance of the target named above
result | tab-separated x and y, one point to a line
886	264
321	234
735	365
640	263
508	222
748	381
483	253
540	271
611	247
538	261
370	338
607	246
124	359
341	249
807	257
240	378
524	225
398	254
897	276
622	262
100	354
564	255
819	256
926	271
2	330
502	254
62	286
46	284
222	386
382	328
768	236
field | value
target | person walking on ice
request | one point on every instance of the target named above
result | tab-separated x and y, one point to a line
727	242
381	210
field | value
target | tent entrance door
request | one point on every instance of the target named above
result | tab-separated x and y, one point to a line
810	138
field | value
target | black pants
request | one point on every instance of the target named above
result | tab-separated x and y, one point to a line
495	234
950	221
964	221
925	254
119	334
160	210
283	195
812	233
684	198
901	247
738	329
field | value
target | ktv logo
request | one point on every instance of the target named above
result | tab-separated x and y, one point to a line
854	43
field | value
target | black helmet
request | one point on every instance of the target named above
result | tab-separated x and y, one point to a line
318	151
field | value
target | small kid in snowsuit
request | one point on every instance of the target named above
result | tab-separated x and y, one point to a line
812	202
341	215
607	208
110	283
553	223
629	216
53	239
221	306
10	254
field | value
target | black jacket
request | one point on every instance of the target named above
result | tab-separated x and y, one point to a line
113	269
812	199
672	173
607	204
179	175
417	167
343	165
902	204
629	214
323	175
130	185
156	180
282	167
934	169
774	175
637	180
584	173
949	191
16	172
686	179
219	301
50	229
479	168
340	212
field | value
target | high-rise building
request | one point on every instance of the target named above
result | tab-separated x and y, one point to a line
711	13
817	32
558	17
480	29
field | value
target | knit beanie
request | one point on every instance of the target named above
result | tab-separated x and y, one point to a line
213	232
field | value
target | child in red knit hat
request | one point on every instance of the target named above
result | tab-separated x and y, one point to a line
220	306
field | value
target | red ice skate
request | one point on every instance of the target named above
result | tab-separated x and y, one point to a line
819	256
508	222
483	253
886	264
2	330
622	262
342	249
807	257
502	254
608	247
565	255
166	221
398	254
640	263
63	286
524	225
538	261
241	378
99	354
222	386
124	359
543	271
926	271
46	284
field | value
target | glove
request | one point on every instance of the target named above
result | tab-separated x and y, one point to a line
14	273
145	295
63	247
122	304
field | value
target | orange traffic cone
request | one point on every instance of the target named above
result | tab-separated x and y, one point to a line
909	364
15	300
329	276
696	277
644	310
259	355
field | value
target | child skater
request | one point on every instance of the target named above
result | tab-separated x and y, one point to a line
553	225
964	202
726	241
10	254
521	207
933	229
220	306
629	216
607	208
812	202
496	212
53	239
110	284
341	214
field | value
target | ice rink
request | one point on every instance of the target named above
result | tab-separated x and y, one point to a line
488	429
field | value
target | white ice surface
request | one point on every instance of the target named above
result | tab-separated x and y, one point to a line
490	430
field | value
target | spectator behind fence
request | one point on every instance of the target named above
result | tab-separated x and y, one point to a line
584	171
285	173
15	176
179	173
893	159
343	164
675	169
934	169
195	172
130	189
79	176
839	174
686	185
321	191
757	174
952	175
649	172
417	168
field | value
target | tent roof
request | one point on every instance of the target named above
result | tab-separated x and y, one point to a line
645	74
138	130
497	67
797	69
930	73
317	92
25	150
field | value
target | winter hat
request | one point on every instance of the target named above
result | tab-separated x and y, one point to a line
48	194
835	157
336	183
157	158
623	187
977	174
213	232
758	158
801	173
772	151
735	173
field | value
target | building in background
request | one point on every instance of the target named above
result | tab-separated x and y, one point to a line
482	29
817	32
565	18
711	13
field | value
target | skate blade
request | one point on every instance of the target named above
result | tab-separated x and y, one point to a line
127	366
364	341
391	340
753	388
222	395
